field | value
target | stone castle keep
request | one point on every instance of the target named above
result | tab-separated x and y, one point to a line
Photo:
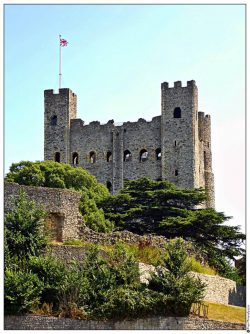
175	146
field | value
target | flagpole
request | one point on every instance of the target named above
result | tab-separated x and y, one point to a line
60	62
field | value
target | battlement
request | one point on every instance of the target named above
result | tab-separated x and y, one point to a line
202	115
62	92
178	84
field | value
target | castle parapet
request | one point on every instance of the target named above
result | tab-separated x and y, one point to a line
178	84
62	91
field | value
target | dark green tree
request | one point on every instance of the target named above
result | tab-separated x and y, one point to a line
25	233
159	207
59	175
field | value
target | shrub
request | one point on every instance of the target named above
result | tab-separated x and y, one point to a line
22	291
174	282
24	228
73	291
51	272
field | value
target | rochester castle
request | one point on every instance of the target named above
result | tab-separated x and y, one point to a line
175	146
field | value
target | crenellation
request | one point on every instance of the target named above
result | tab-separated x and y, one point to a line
191	83
169	147
177	84
164	85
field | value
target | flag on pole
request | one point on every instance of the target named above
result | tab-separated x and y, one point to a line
63	42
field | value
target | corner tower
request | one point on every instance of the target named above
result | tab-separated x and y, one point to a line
59	109
206	173
179	134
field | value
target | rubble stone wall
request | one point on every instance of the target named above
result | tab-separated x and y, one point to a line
30	322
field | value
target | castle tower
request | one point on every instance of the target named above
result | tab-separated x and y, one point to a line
179	134
59	109
206	174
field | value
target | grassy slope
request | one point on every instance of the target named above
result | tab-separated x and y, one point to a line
226	313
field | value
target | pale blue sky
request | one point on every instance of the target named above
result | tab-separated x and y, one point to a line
115	61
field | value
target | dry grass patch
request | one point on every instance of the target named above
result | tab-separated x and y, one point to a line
227	313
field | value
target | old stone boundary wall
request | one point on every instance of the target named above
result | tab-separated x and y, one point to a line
30	322
219	289
65	203
222	290
61	205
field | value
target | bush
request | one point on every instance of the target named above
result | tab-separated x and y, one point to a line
174	282
52	273
24	228
73	291
22	291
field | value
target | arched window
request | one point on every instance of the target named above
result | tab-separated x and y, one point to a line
75	158
109	156
53	120
109	186
158	154
177	112
143	155
92	157
57	157
176	172
127	156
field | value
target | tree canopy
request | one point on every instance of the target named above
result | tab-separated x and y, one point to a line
161	208
59	175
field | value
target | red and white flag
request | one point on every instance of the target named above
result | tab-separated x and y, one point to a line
63	42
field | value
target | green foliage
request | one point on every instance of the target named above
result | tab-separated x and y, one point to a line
22	291
159	207
52	273
59	175
224	267
174	281
73	290
199	268
104	285
118	269
114	289
124	302
146	253
241	268
24	228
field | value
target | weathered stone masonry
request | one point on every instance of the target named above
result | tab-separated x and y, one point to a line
175	146
62	206
30	322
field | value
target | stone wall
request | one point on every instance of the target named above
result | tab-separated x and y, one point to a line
174	146
222	290
30	322
61	205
